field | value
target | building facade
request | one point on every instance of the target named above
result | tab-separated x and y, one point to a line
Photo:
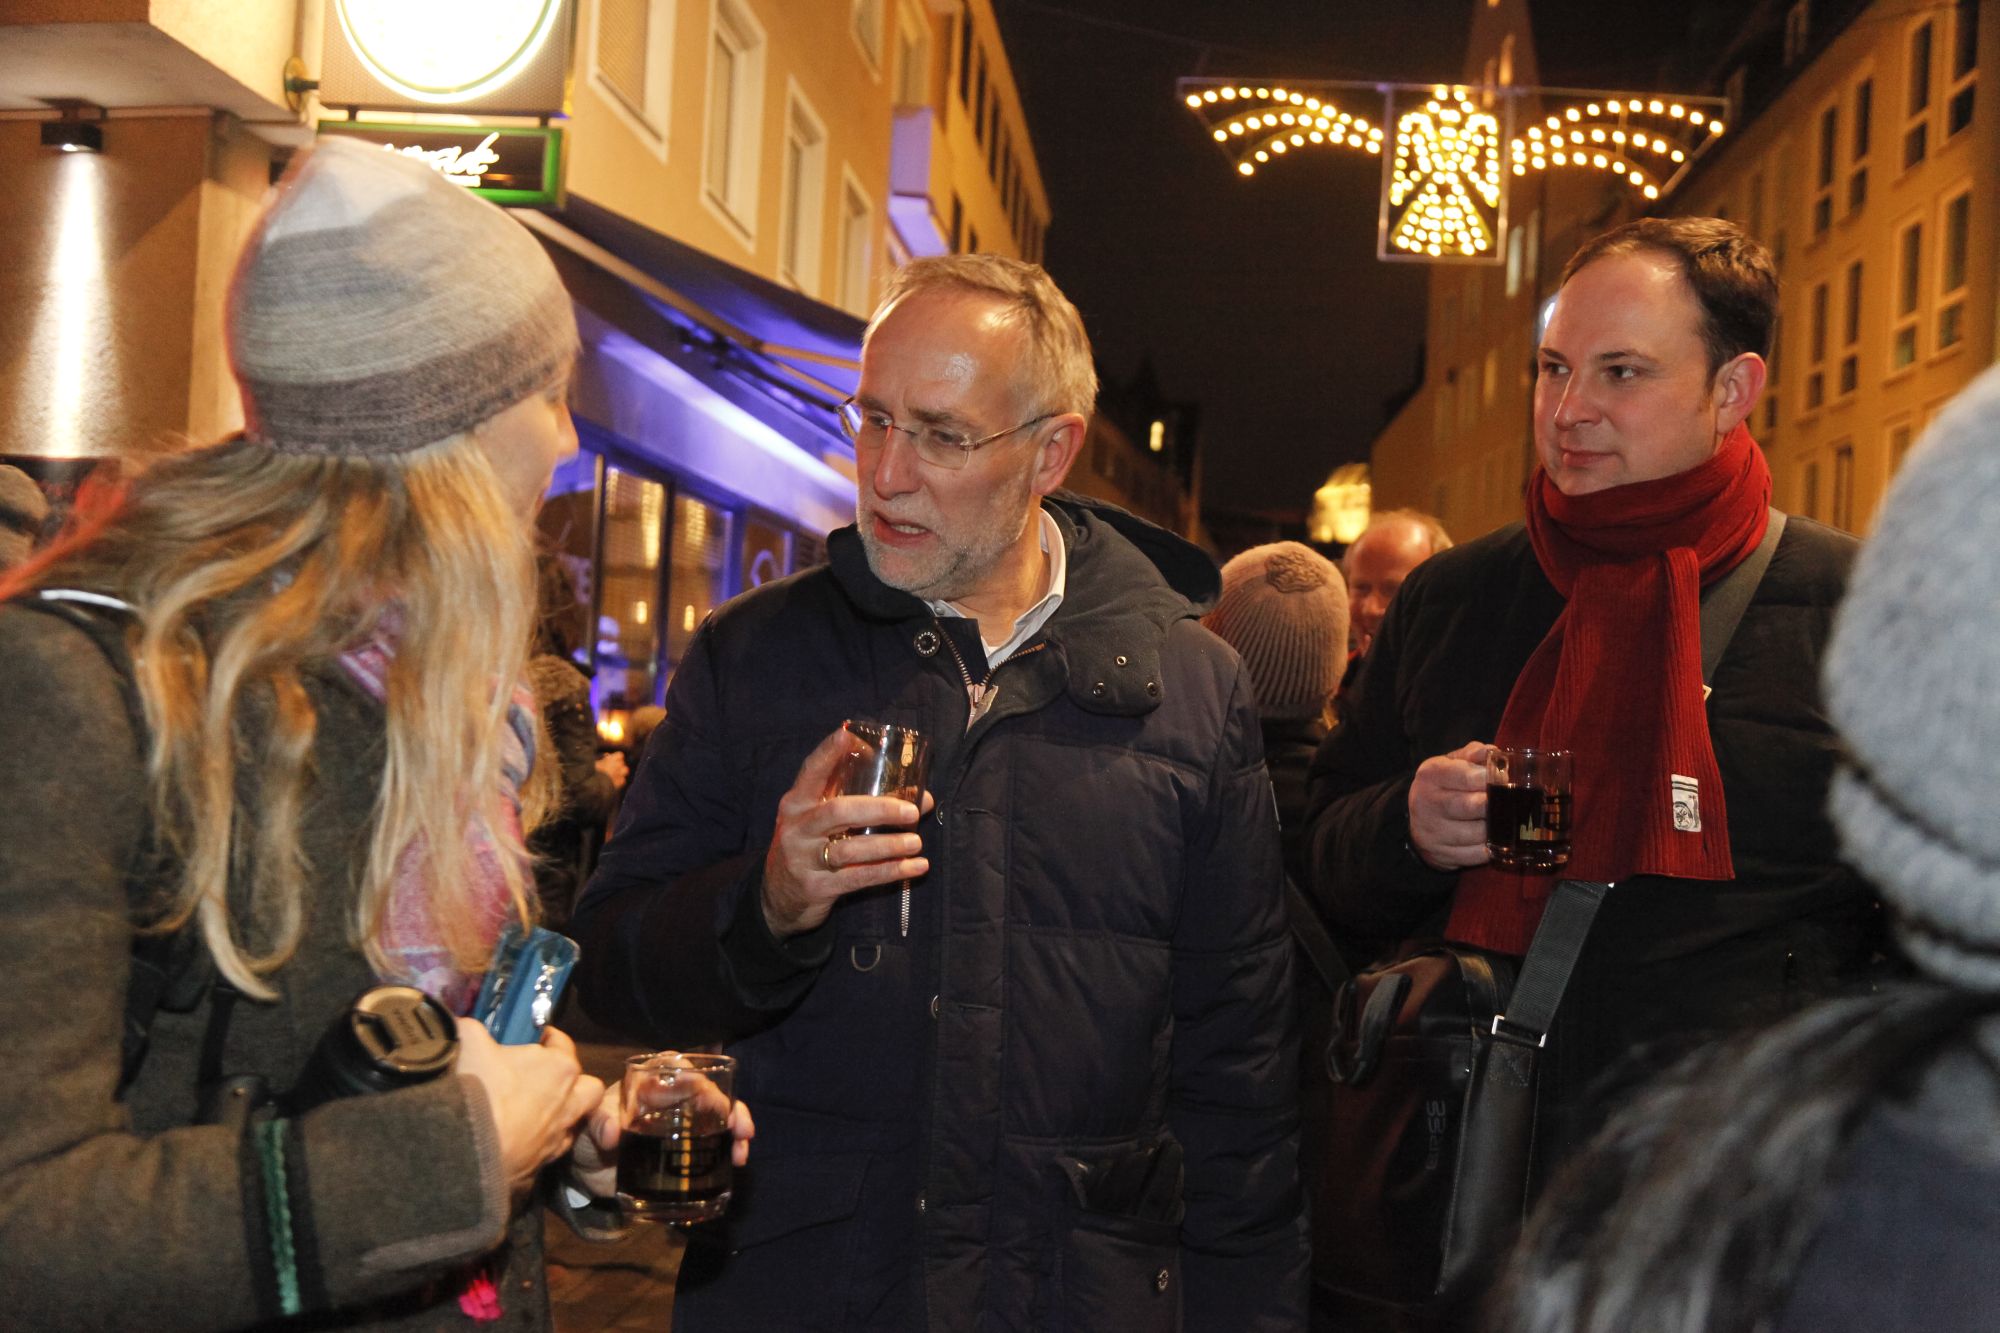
1857	150
740	178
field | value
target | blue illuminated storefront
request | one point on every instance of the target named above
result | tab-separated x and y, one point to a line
710	462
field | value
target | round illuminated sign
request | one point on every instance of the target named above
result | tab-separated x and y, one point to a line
447	51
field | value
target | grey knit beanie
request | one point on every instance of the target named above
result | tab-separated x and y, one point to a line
1284	609
1911	676
377	308
23	510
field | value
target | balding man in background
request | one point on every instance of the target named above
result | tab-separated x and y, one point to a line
1394	543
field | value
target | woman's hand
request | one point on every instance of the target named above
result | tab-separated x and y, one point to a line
538	1094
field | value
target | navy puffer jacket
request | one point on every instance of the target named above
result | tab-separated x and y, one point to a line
976	1122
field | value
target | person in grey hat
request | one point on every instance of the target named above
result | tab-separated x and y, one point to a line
23	511
1841	1171
252	712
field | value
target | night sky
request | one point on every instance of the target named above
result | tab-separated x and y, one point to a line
1259	299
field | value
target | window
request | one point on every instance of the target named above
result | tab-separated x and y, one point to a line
1829	148
1909	295
868	31
735	101
913	59
1850	334
1917	96
1964	66
979	94
1809	492
698	571
801	208
628	623
1900	436
957	224
1798	26
1816	350
1954	228
1857	165
965	48
993	131
631	59
856	228
1843	487
767	552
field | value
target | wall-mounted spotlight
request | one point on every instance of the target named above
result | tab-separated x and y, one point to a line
73	134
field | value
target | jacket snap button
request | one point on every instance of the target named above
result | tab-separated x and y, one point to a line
1153	687
934	1006
926	642
1097	690
1161	1280
921	1205
938	814
871	952
1121	659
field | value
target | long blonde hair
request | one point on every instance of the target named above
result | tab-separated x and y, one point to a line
250	569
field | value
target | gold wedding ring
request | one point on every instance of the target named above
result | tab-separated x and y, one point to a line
826	854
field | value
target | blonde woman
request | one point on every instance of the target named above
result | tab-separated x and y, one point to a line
297	759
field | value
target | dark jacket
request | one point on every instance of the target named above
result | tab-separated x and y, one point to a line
122	1214
1095	975
1668	960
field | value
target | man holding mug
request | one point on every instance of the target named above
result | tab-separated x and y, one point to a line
1020	1051
1581	631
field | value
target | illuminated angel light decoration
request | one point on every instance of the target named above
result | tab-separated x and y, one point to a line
1445	190
1447	165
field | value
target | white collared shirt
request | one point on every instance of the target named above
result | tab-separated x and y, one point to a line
1037	615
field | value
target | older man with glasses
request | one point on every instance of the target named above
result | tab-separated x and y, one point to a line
1020	1057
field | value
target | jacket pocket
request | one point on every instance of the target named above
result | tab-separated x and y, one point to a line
1117	1261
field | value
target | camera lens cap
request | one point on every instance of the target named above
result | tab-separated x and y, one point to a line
403	1033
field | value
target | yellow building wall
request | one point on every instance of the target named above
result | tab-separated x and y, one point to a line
1766	179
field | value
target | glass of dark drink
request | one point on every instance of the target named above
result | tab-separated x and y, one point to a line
1528	807
882	759
674	1145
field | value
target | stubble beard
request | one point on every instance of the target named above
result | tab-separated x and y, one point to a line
952	569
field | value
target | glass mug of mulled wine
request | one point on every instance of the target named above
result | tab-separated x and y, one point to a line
1528	807
674	1145
882	759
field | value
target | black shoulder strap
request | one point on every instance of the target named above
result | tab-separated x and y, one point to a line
102	619
1723	604
1566	923
1313	938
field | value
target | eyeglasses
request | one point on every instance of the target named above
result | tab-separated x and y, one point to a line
940	446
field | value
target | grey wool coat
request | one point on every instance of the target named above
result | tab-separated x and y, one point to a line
121	1214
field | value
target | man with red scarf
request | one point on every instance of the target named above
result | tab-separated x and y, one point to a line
1580	630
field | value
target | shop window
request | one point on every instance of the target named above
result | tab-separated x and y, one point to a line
735	101
766	553
1903	330
698	570
566	533
1917	95
804	189
1954	232
628	600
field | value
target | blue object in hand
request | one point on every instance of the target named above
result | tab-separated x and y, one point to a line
529	969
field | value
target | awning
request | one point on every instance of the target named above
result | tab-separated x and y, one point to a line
801	344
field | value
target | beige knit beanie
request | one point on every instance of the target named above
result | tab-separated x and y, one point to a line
1284	609
377	308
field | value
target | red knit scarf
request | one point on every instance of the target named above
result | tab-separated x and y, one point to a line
1617	680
